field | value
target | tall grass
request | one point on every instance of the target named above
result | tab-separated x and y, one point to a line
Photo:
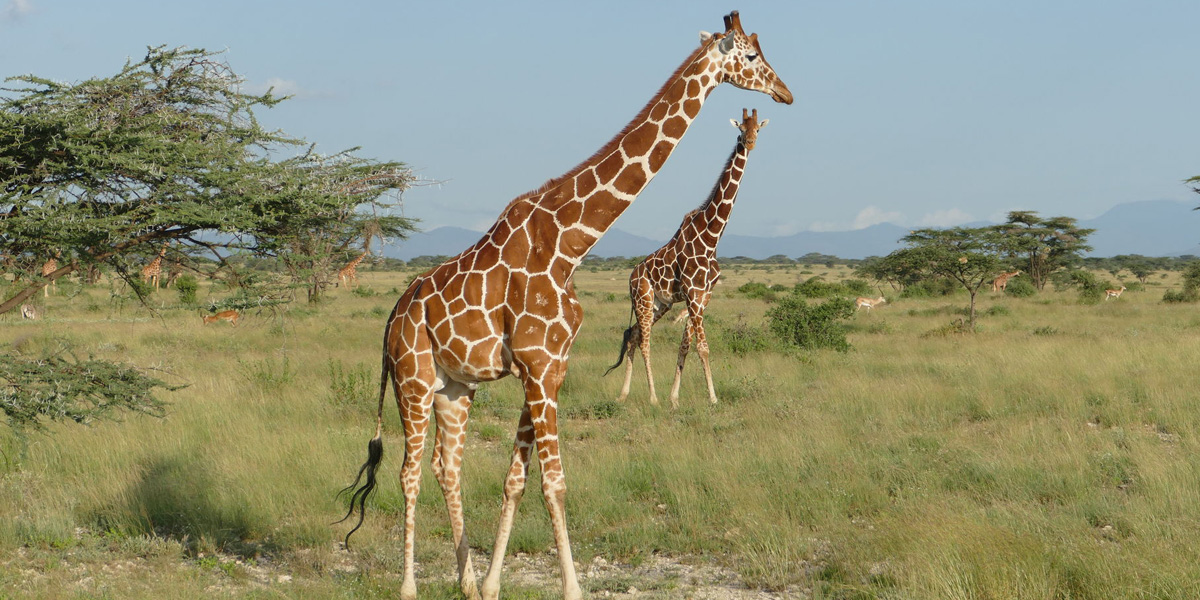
1051	455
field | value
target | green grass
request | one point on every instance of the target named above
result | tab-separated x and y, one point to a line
1053	454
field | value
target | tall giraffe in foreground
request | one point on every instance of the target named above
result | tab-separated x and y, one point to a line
685	270
153	271
349	273
1000	283
506	306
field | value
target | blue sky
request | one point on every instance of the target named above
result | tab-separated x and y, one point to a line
920	113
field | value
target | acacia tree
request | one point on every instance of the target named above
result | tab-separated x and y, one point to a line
1046	245
970	256
168	150
899	269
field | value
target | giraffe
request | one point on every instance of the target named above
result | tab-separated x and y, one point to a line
48	268
506	306
1000	283
685	270
349	272
152	271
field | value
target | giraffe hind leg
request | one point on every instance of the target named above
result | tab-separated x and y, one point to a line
451	406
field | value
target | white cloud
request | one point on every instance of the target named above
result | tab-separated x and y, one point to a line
945	218
872	215
14	10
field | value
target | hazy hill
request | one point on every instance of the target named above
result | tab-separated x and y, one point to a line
1151	228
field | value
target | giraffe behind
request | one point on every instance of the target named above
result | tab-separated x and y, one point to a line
685	270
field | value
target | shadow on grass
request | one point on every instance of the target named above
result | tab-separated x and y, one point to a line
177	497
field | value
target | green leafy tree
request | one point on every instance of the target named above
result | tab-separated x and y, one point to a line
969	256
900	269
1044	245
168	151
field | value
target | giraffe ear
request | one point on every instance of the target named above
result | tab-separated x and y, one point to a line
763	123
705	36
735	123
725	45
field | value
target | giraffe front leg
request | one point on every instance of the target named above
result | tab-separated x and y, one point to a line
644	345
514	488
451	408
541	396
702	350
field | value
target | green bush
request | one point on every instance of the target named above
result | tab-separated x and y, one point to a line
741	338
1191	286
187	285
1020	287
931	288
758	290
811	326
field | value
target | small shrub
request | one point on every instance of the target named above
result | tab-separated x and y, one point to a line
997	310
811	326
931	288
756	290
815	287
955	327
1047	330
350	386
267	373
741	338
1019	287
187	285
1180	296
363	291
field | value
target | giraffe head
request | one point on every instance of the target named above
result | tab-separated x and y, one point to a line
749	127
739	60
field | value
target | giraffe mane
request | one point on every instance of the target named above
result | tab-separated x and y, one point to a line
712	195
615	142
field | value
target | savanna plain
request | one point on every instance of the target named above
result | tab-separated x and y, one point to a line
1052	454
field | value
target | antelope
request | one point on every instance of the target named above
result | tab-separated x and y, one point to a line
29	311
869	303
1113	293
225	315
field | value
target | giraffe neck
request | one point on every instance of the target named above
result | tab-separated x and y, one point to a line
552	228
713	214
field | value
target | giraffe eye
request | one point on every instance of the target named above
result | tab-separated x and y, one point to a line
751	57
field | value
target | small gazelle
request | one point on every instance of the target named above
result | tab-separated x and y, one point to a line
868	303
1113	293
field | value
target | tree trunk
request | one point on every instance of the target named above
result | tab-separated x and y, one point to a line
971	315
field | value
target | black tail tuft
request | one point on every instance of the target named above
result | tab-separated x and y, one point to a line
374	457
625	339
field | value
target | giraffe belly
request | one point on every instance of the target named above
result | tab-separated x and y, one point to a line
482	360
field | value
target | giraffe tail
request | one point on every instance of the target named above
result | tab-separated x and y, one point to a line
369	468
625	339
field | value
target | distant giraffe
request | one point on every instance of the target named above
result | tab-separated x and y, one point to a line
174	270
506	306
152	271
48	268
349	273
868	303
1113	293
685	270
1000	283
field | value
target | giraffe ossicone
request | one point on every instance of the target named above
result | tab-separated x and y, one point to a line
506	306
685	270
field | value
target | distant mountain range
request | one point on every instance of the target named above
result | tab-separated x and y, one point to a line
1150	228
